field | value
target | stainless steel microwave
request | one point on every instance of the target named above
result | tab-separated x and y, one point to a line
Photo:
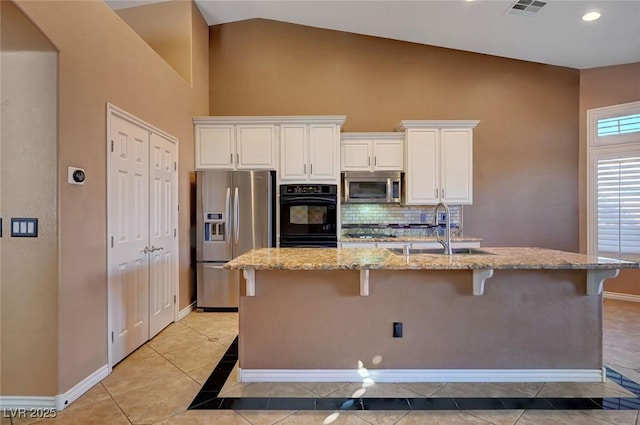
372	188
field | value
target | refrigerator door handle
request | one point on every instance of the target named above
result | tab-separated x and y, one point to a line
236	207
228	214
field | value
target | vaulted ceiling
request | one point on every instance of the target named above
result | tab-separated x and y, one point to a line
553	34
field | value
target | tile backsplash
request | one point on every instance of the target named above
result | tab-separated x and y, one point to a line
354	215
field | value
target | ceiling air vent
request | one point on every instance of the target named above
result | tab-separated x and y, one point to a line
526	7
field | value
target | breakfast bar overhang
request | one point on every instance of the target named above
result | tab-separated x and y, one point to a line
500	315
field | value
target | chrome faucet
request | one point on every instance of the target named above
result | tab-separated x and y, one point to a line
446	242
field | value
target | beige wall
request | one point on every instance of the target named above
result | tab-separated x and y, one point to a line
168	33
605	87
525	147
103	60
29	266
28	188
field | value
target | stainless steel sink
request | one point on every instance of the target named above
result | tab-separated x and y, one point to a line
461	251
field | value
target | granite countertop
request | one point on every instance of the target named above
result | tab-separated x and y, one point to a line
384	259
401	239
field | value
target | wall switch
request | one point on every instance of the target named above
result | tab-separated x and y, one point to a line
397	329
423	217
24	227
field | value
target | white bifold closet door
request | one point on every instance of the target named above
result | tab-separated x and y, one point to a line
142	221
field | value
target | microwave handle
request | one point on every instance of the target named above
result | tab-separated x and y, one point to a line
346	190
389	189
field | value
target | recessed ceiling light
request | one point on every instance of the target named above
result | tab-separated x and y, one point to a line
591	16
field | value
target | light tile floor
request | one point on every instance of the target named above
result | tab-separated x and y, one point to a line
156	384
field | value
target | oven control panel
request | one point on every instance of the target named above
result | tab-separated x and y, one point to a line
308	188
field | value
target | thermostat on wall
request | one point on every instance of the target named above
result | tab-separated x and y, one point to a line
76	175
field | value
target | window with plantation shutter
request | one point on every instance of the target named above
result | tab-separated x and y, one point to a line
613	196
618	206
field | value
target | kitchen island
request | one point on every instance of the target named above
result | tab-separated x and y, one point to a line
500	314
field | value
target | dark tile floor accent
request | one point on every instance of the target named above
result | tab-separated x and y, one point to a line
207	398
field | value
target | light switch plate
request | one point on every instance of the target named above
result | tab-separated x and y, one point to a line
24	227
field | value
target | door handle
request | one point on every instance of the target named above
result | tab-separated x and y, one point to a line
147	250
227	217
236	224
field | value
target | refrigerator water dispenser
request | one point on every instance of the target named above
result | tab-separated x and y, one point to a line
214	226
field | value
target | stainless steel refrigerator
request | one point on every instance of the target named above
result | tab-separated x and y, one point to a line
235	213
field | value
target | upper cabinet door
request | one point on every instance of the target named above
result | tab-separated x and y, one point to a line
323	152
456	153
388	155
356	155
256	147
215	147
293	152
423	167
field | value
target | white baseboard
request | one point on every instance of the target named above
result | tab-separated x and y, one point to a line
17	402
58	402
422	375
63	400
621	296
185	311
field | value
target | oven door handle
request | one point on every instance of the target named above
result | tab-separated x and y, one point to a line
307	199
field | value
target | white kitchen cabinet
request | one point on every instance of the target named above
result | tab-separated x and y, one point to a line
256	147
235	146
372	152
309	152
439	162
215	147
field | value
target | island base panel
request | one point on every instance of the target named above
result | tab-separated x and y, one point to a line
526	319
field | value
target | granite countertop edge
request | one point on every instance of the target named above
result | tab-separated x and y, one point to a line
384	259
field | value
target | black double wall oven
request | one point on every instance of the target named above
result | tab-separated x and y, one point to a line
308	215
